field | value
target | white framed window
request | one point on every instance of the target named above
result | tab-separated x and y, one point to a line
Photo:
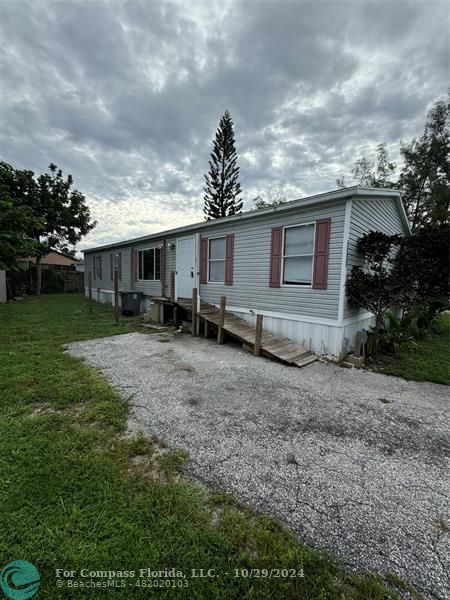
216	259
298	254
149	264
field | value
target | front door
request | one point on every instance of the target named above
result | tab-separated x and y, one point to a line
186	279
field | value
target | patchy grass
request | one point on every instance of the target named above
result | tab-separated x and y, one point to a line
79	493
442	525
397	582
427	359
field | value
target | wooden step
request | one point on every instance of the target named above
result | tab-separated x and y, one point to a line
212	318
281	348
283	352
276	344
292	355
305	361
300	355
267	337
237	327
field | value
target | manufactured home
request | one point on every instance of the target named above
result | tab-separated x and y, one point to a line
288	263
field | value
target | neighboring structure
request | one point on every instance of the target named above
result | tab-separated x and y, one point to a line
55	260
289	263
59	274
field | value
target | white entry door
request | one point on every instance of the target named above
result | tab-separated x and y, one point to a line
186	267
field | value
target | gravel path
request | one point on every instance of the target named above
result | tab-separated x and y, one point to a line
355	462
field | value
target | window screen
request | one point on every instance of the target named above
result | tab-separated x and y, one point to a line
298	255
216	260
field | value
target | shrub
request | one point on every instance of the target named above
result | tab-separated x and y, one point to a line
410	273
422	269
373	286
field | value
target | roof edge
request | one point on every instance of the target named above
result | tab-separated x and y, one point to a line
292	204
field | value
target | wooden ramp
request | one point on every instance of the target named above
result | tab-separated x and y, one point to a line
280	348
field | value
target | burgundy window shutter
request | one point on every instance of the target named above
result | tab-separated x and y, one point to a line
133	264
204	260
136	265
94	269
275	257
162	265
229	259
100	267
321	251
111	266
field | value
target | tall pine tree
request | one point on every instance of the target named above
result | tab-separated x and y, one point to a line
222	186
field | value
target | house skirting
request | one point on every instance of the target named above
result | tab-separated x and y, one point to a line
101	295
325	337
107	297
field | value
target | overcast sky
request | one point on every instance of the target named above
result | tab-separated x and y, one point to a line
126	96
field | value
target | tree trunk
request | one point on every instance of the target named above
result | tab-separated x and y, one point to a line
38	276
379	321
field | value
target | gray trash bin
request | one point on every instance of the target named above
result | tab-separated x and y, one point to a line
131	303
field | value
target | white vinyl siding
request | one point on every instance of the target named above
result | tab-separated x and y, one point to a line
106	282
251	265
301	312
251	262
380	214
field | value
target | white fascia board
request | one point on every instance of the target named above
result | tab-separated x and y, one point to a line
403	214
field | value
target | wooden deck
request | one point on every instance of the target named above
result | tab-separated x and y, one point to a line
279	348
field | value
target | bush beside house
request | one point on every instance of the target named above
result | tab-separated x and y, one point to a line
404	282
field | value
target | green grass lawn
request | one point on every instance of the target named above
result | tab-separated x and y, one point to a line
76	493
427	359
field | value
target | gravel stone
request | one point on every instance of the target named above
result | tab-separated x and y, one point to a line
352	461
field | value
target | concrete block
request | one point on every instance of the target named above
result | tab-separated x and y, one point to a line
355	361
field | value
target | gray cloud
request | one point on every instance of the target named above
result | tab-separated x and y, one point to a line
126	95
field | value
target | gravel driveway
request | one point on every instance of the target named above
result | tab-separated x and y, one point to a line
355	462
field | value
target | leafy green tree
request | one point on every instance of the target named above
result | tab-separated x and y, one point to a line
425	175
39	214
422	269
17	219
222	187
385	169
378	174
424	179
340	183
270	198
62	213
363	171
